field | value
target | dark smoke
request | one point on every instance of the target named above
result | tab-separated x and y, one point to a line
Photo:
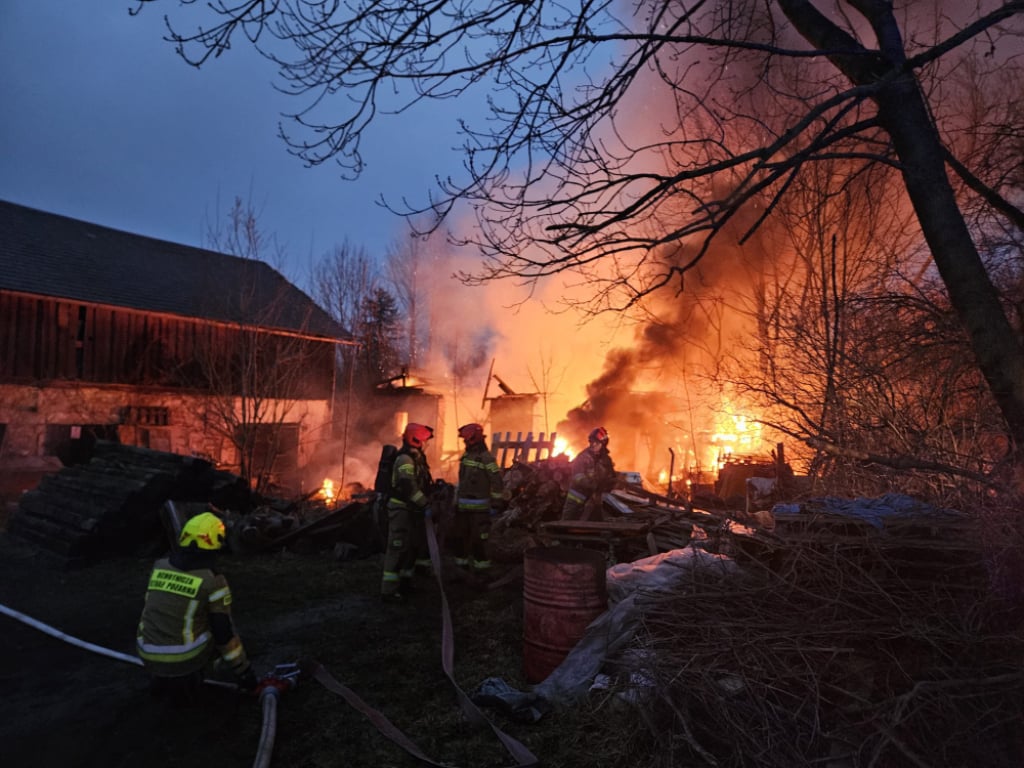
638	388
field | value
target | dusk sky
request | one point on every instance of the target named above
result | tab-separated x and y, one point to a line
104	122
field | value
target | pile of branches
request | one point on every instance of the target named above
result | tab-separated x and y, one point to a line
833	660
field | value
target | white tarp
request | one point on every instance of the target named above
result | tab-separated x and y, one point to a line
608	634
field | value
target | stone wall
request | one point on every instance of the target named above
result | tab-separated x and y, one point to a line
35	418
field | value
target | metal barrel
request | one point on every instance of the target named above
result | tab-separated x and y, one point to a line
563	591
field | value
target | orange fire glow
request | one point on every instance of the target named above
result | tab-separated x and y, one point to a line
735	434
327	490
561	447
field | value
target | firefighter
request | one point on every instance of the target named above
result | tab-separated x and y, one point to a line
593	473
480	496
408	509
186	620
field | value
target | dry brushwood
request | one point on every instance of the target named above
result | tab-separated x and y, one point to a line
831	659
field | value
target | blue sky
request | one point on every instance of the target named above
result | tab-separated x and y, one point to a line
103	122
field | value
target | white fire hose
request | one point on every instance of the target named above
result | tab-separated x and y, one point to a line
68	638
283	678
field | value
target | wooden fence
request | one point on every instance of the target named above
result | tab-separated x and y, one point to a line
508	450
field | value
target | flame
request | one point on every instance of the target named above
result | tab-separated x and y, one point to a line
327	490
562	447
735	434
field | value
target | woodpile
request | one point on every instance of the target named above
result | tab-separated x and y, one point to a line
633	522
111	505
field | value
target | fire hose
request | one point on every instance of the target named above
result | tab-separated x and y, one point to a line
283	678
517	749
522	755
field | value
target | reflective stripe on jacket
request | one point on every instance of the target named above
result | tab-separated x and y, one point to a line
174	635
480	483
410	480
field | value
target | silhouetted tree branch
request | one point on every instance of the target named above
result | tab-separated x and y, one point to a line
627	143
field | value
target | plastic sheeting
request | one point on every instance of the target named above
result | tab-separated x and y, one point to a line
872	511
607	635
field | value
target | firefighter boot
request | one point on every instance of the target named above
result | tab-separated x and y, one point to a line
405	586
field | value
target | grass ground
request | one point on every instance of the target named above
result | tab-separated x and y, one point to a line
74	708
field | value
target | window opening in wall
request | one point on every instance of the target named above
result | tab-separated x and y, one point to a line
146	415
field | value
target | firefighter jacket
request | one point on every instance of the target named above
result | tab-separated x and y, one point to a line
591	473
410	480
186	617
480	485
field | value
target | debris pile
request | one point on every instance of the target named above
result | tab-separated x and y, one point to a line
839	643
896	537
310	525
634	522
111	505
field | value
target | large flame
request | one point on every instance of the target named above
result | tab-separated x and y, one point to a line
561	448
735	435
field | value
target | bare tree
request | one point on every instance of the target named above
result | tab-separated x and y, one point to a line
576	170
858	354
342	279
242	236
254	374
545	381
406	265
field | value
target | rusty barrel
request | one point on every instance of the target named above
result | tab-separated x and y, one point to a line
563	591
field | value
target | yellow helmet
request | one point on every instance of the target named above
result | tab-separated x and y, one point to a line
206	531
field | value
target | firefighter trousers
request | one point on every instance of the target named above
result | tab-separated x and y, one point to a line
400	552
470	538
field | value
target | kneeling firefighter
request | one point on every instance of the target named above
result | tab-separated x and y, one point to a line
186	622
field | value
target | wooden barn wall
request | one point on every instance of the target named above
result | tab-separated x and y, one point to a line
44	339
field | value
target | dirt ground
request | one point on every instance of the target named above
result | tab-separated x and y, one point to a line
74	708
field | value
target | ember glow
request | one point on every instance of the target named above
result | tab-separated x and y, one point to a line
327	490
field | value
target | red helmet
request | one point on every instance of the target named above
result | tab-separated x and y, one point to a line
417	435
472	433
599	435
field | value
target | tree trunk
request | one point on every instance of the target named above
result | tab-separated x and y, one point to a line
994	340
904	114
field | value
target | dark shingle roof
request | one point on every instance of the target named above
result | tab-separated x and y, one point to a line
50	255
